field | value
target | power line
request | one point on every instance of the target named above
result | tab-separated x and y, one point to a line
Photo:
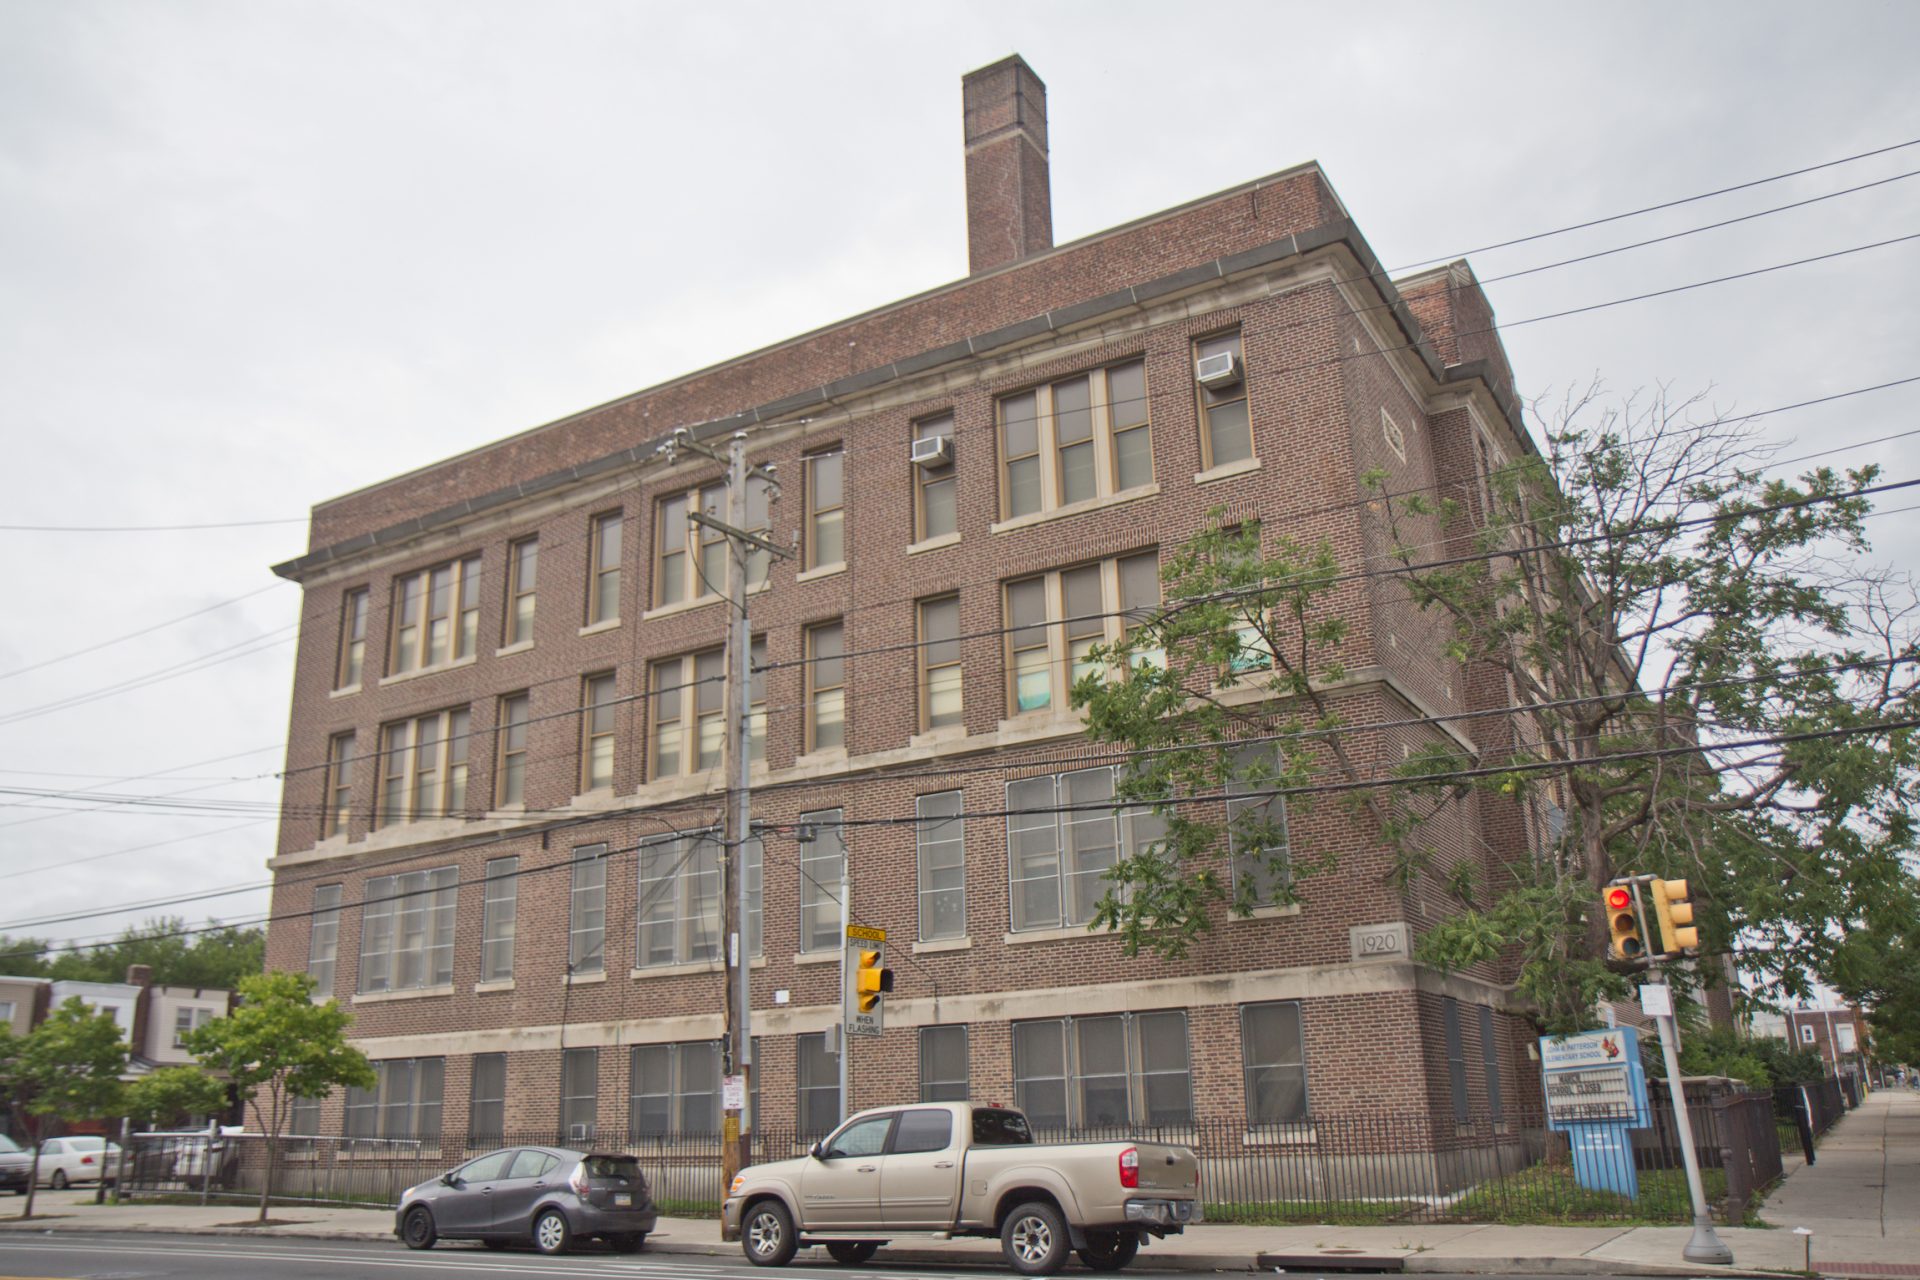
143	528
143	631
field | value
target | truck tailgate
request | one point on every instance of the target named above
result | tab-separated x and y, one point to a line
1167	1168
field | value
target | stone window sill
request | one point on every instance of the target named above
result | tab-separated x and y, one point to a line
934	543
497	984
934	737
346	692
679	607
696	966
586	979
1227	471
508	650
816	957
411	993
1053	935
595	628
416	673
1268	913
1124	496
938	945
823	571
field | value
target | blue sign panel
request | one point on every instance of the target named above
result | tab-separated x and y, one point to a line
1596	1091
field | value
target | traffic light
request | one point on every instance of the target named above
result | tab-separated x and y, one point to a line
870	980
1675	914
1624	940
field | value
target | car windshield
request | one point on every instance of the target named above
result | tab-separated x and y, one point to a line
1001	1129
622	1168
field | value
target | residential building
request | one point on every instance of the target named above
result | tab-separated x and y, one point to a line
506	723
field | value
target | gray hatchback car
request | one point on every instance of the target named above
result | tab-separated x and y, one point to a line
548	1197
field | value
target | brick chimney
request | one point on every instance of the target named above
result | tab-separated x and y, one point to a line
1009	204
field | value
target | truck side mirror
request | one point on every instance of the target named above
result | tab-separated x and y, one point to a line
817	1151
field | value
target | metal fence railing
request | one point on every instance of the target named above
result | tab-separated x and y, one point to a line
1382	1167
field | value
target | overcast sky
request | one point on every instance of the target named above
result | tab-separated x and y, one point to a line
256	254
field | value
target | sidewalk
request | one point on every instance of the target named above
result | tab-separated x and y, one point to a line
1861	1199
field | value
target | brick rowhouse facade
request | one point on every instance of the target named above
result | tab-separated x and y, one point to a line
1345	372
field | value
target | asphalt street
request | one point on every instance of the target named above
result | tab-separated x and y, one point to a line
122	1256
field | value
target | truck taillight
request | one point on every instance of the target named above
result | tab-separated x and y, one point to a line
1130	1167
579	1180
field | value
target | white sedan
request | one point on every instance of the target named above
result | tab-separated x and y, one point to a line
67	1161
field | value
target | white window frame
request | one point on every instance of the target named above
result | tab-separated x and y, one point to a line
407	923
1065	633
1142	1034
680	895
1035	806
940	854
499	918
820	863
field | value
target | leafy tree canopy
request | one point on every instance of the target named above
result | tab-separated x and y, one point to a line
217	958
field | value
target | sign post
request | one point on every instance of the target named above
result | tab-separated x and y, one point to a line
1596	1092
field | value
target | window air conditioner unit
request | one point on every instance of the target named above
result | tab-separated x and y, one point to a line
576	1133
1217	373
932	451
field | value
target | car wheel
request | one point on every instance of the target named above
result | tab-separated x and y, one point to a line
627	1241
59	1180
417	1230
496	1242
851	1253
1110	1250
551	1234
767	1235
1034	1238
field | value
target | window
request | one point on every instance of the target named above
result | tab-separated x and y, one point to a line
523	564
943	1064
515	710
1490	1065
487	1104
679	917
603	569
922	1131
323	943
587	911
339	788
404	1102
6	1012
675	1088
1456	1060
596	732
406	930
304	1121
940	704
940	853
690	558
821	860
1396	438
1105	1072
935	509
579	1092
687	703
1226	433
1074	440
1806	1034
425	768
826	687
436	615
1257	826
826	509
1059	860
1274	1055
353	639
818	1089
1087	605
498	913
186	1019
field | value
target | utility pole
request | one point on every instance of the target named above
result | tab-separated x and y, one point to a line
736	1055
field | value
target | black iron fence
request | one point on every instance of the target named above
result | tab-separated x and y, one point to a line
1378	1167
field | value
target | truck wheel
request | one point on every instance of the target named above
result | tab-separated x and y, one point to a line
851	1253
1110	1250
1034	1238
767	1235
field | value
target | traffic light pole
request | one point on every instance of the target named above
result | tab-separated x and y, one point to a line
846	981
1705	1245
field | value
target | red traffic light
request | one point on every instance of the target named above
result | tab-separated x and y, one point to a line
1618	897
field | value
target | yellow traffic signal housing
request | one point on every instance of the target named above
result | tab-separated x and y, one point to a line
1624	939
1675	914
870	980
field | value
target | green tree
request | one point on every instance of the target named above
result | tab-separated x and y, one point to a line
217	957
1707	681
65	1070
278	1046
168	1096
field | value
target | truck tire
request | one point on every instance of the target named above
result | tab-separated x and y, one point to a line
851	1253
1034	1239
1110	1250
766	1234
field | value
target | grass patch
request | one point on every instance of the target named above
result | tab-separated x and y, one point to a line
1548	1196
687	1208
1333	1213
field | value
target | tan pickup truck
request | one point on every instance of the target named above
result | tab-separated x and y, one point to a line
945	1169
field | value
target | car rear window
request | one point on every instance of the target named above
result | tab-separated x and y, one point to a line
86	1144
1001	1129
622	1168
